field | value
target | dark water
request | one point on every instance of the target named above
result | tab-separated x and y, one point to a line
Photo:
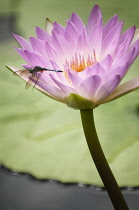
23	192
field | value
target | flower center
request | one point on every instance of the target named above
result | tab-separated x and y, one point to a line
79	62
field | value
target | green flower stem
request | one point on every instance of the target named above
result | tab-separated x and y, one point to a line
100	160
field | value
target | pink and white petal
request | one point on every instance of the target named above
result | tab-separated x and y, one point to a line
23	55
106	89
109	25
71	34
62	45
119	52
48	26
83	45
94	17
136	37
66	89
110	42
20	72
38	45
28	66
58	29
126	58
43	35
136	53
13	68
89	86
55	66
120	70
45	78
128	36
124	42
106	63
95	39
96	69
50	90
36	59
51	51
77	21
85	73
123	89
59	75
23	42
75	80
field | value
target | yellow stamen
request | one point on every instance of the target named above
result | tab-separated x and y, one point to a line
79	63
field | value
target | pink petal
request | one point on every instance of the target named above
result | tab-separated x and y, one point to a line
51	51
55	66
60	76
124	42
23	42
77	21
37	59
128	35
109	25
126	58
106	63
28	66
111	40
22	54
106	89
50	90
124	89
58	29
43	35
136	53
89	87
33	58
75	80
95	39
61	45
82	45
85	73
66	89
71	34
38	46
119	70
96	69
94	18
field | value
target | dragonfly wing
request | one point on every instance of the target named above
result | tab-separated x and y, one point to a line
22	73
28	84
34	76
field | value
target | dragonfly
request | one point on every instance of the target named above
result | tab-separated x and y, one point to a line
34	73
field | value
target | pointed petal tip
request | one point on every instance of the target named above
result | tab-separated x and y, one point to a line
123	89
96	6
12	68
48	25
14	35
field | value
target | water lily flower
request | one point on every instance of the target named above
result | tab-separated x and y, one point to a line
93	60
